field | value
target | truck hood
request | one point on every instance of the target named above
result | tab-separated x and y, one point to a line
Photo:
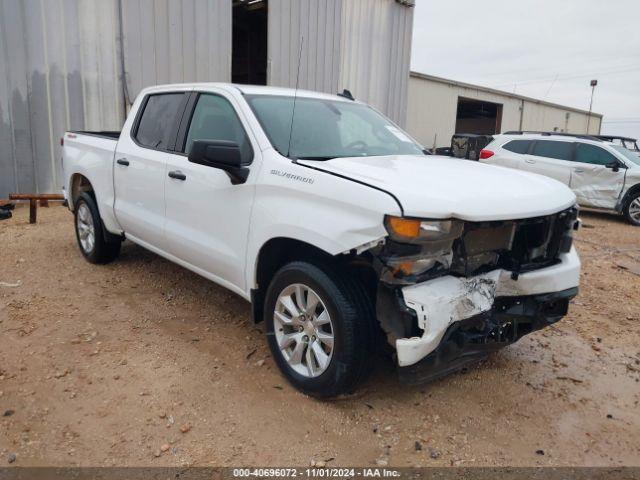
443	187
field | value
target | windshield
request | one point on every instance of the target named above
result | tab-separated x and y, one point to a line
325	129
628	154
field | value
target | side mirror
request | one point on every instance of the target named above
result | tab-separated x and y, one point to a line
220	154
615	166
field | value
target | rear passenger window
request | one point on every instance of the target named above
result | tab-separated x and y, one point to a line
518	146
157	120
592	154
551	149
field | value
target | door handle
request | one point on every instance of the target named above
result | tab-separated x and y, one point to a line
529	161
578	170
123	161
177	174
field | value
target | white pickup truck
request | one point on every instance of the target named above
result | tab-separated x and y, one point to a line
343	234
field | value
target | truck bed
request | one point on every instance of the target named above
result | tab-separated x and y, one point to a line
91	154
113	135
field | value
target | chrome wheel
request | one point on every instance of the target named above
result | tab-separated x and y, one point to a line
303	330
86	228
634	210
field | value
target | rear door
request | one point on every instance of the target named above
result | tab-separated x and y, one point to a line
512	154
207	217
139	171
551	158
594	183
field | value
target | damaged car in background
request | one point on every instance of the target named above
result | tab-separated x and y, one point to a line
604	175
345	237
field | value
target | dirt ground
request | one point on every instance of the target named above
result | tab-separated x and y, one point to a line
141	362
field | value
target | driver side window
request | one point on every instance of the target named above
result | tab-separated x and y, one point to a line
593	154
214	118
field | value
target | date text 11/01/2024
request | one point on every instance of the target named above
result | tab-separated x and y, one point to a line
316	472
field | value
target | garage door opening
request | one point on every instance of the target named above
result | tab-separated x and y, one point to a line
249	50
475	116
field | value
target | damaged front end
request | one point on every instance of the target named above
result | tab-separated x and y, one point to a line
451	291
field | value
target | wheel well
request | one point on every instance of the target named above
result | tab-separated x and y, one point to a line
80	183
628	196
277	252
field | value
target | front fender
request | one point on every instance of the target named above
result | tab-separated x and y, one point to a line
328	212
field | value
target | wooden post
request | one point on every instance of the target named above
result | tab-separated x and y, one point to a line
33	210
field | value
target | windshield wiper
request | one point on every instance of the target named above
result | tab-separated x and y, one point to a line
316	158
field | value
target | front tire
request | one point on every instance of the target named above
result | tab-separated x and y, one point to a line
632	210
90	232
319	328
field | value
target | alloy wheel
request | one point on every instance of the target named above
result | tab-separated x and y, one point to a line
86	228
634	210
303	329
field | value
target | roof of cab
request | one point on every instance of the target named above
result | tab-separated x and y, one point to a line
245	89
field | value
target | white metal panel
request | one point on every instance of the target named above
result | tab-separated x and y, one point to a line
16	157
431	113
176	41
548	118
58	71
61	63
318	22
376	48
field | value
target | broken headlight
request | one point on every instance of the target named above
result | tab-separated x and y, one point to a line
420	245
417	231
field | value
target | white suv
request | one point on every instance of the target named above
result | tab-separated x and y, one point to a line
601	174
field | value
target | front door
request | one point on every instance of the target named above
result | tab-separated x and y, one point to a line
140	164
594	183
207	217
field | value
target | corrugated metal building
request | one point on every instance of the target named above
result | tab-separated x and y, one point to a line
438	108
78	64
59	69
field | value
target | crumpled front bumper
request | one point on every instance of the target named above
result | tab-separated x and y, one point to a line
493	308
468	341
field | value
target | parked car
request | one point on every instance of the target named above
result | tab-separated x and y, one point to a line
603	175
626	142
331	221
468	145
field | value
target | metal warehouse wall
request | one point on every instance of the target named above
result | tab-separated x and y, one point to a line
319	22
433	106
361	45
376	52
62	63
58	71
176	41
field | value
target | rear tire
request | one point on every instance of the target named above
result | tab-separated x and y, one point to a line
632	210
331	305
90	232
